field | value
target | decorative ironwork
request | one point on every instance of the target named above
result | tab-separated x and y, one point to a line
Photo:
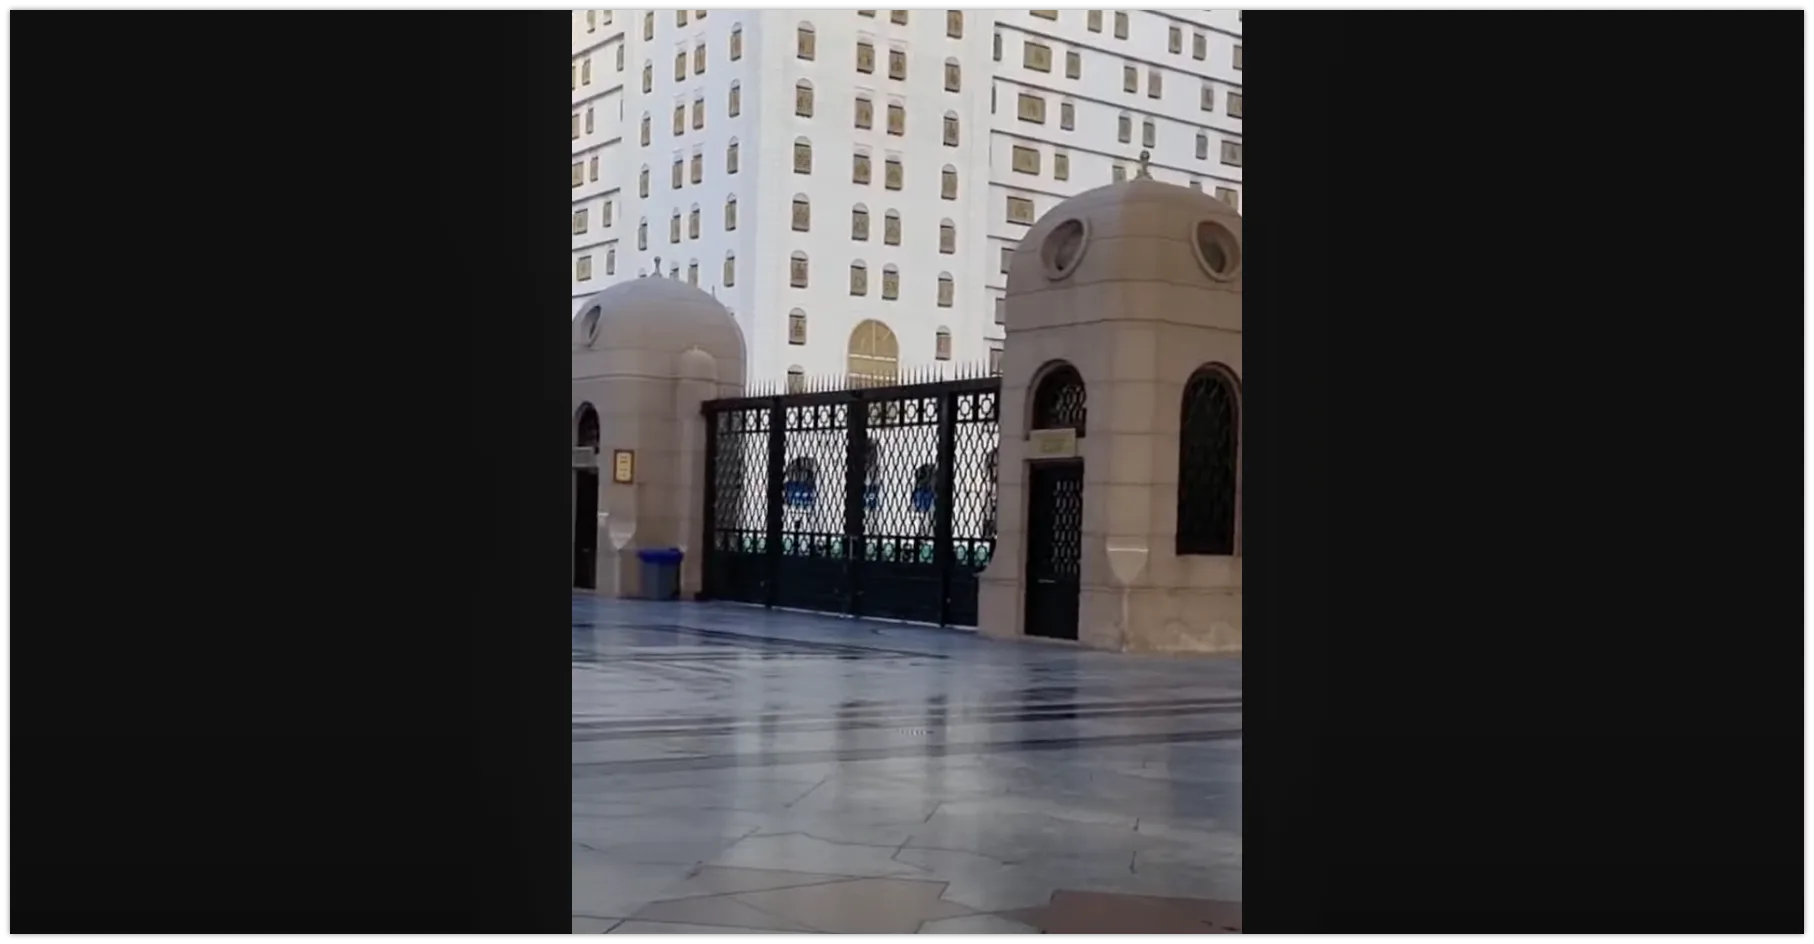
1208	439
1058	403
883	502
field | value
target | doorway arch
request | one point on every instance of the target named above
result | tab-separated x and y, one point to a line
1054	557
585	497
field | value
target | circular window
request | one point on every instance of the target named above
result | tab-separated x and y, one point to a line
590	325
1218	252
1064	248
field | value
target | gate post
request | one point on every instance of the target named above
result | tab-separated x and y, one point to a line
943	553
856	495
777	448
708	544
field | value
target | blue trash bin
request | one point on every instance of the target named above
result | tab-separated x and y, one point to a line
660	572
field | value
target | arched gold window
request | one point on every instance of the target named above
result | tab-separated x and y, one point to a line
875	355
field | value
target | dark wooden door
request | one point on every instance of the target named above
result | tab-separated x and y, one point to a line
1054	548
585	528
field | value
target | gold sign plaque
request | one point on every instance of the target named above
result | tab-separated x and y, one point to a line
1052	444
623	466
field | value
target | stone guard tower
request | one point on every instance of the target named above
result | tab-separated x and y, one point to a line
646	354
1119	519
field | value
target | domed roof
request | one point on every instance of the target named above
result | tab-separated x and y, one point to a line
658	315
1132	230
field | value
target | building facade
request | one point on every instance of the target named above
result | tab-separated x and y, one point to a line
852	183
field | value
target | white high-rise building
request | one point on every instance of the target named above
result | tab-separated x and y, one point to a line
849	182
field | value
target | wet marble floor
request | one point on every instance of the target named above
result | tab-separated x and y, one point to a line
738	770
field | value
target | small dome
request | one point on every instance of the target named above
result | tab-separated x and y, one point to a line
1135	229
657	315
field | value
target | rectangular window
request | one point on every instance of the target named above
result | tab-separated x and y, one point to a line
1233	103
730	215
1073	65
573	127
803	158
891	173
859	225
585	71
954	24
1228	196
677	174
611	261
803	101
680	120
1020	210
1001	311
579	221
1124	129
648	27
1196	185
947	239
674	228
1061	166
1025	160
730	158
592	168
1093	21
1154	78
591	21
620	57
582	268
1036	56
1199	46
1045	14
1202	147
1031	108
1207	101
736	106
947	188
891	284
1118	173
945	292
897	17
698	114
796	329
680	17
995	362
680	66
953	77
1231	153
730	271
699	59
1067	116
859	280
693	224
1148	133
604	210
698	168
897	118
589	122
1120	25
1007	258
951	131
803	218
1174	39
1130	79
891	230
736	44
866	57
805	43
859	170
997	47
897	64
1237	57
866	113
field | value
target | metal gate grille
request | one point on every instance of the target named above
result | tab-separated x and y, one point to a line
877	501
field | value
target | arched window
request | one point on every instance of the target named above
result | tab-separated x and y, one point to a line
946	290
674	226
1202	146
1124	128
730	157
864	116
698	109
891	228
859	278
1059	399
803	156
941	342
1149	133
796	327
803	214
730	269
859	223
693	222
645	129
586	424
948	183
693	272
805	45
648	27
954	24
1208	444
648	77
874	355
800	484
891	282
947	237
803	98
642	182
736	42
796	270
730	213
953	75
796	379
951	129
860	166
734	100
642	233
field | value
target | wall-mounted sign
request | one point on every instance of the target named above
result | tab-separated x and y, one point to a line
623	466
1052	444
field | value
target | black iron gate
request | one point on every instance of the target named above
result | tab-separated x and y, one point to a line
875	501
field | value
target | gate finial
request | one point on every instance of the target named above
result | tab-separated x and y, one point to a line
1142	173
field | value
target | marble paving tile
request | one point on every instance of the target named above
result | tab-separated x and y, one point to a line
604	888
801	853
977	924
1080	912
720	910
719	880
669	927
583	925
865	906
